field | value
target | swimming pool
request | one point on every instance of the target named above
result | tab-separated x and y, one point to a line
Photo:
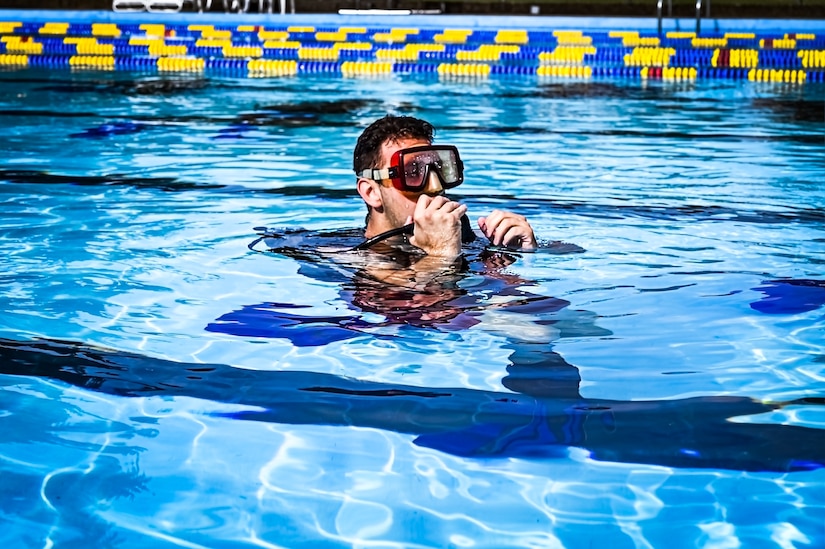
164	384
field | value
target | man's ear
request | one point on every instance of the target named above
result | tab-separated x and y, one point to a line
369	192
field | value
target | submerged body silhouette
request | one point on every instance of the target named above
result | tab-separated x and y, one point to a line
692	432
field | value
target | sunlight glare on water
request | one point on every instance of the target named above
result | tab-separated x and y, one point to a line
128	202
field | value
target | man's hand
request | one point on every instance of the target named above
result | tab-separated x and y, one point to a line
437	226
508	229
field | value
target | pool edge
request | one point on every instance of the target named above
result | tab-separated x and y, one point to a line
473	21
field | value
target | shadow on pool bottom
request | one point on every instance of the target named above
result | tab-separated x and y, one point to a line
693	432
790	296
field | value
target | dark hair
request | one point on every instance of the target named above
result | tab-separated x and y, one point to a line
367	152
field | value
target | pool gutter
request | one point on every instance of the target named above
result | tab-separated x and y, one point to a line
441	21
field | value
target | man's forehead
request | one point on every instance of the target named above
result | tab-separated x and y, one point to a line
404	142
391	145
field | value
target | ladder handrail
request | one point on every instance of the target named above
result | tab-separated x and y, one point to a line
659	16
670	13
659	12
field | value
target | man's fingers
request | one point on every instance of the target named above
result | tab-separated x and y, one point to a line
501	231
429	205
514	235
497	216
438	226
453	206
504	228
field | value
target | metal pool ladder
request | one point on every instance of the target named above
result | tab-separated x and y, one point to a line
670	13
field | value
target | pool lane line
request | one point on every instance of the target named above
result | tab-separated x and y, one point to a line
200	48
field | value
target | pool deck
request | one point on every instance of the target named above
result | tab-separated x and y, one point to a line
709	26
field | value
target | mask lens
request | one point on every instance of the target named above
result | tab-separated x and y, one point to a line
443	160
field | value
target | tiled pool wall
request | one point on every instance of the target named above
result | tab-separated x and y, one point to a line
264	45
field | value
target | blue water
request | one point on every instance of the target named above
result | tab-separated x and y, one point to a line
162	384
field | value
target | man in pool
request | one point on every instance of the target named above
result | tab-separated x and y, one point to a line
402	177
429	282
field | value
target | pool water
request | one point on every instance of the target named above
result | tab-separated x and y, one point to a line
655	381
